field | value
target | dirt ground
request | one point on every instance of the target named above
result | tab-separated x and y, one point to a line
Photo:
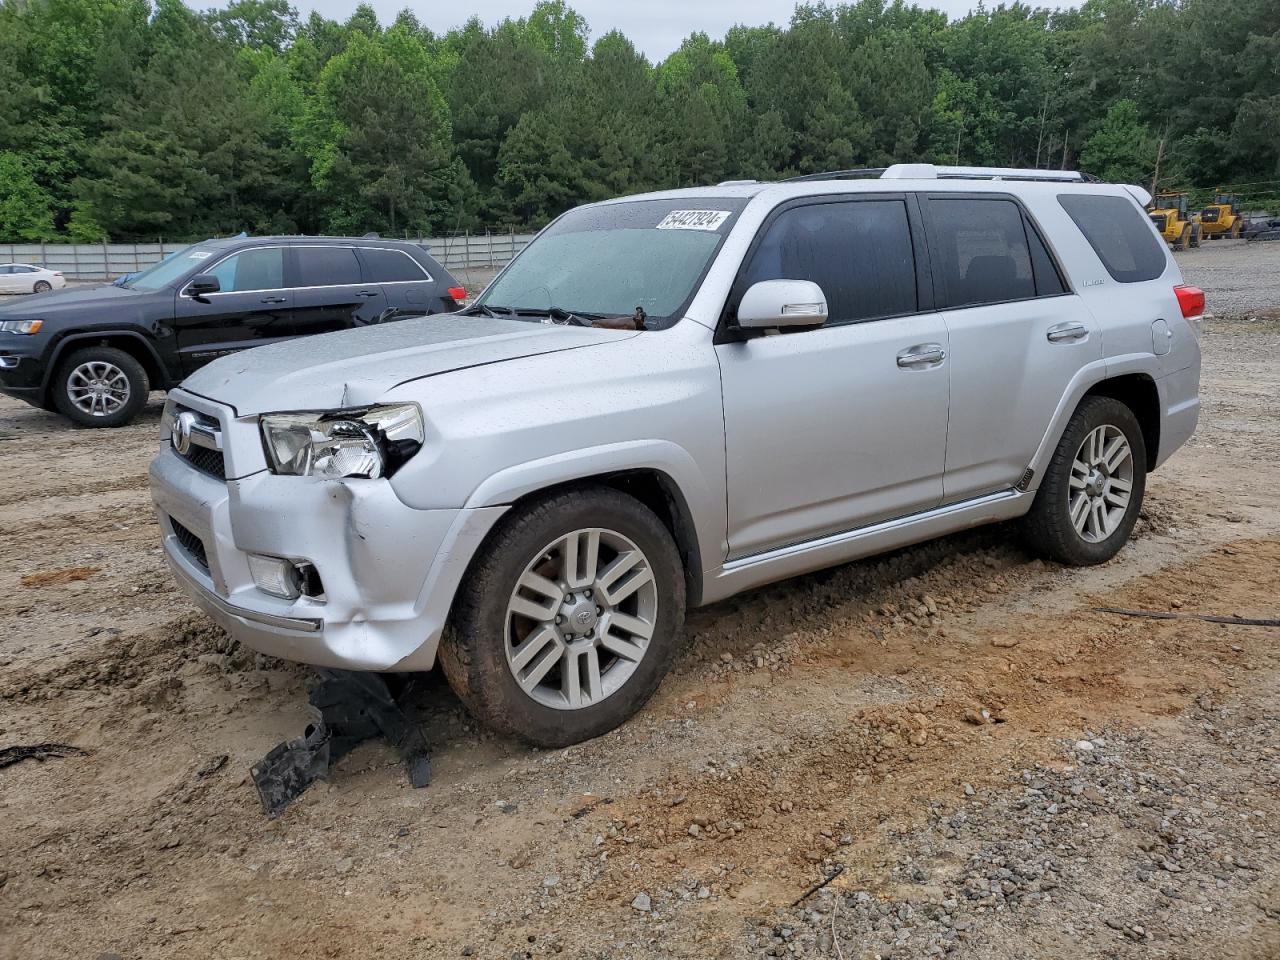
976	761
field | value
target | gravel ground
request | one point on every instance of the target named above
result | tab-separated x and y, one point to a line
950	743
1242	277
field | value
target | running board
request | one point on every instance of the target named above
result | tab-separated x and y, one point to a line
761	568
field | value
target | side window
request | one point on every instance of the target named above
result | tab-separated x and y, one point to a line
326	267
858	252
382	265
261	269
5	271
1119	234
980	251
1048	280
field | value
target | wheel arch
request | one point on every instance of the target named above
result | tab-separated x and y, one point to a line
1139	393
653	488
131	343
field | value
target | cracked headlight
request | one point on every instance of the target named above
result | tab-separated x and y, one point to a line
369	442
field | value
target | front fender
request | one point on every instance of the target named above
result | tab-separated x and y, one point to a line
706	511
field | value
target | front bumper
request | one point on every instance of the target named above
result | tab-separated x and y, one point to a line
389	571
21	372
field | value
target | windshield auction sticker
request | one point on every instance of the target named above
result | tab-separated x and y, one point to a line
199	255
694	220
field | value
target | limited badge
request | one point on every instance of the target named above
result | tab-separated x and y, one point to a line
694	220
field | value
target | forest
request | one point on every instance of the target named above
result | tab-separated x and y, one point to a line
144	119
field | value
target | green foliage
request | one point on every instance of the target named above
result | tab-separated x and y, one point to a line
1121	149
25	207
137	118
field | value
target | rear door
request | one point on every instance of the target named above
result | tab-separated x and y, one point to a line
251	308
1017	336
330	291
832	429
8	283
409	288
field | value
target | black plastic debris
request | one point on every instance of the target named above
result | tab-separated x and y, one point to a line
37	751
351	707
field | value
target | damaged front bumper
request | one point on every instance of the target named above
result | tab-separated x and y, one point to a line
389	571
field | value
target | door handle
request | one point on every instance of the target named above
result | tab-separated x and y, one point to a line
275	300
922	354
367	293
1067	332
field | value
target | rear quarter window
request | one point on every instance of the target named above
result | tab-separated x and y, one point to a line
386	265
1120	235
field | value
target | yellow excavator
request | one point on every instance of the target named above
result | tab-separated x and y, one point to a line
1169	213
1222	217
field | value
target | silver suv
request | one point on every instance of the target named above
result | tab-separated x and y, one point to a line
668	399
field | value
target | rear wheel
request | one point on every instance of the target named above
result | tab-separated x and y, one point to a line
1183	239
1092	490
100	387
1235	230
1195	236
41	286
568	619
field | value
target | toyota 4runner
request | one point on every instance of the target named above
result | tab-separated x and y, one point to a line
668	399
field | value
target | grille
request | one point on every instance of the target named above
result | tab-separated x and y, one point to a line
206	461
190	543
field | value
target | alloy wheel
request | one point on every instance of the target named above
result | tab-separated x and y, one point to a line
1101	483
98	388
580	618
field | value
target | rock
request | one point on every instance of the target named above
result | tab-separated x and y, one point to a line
968	790
344	865
550	882
704	893
642	902
1005	641
1084	746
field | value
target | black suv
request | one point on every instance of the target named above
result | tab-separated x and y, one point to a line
94	353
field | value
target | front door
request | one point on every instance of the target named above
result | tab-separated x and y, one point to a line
836	428
1017	335
329	292
251	308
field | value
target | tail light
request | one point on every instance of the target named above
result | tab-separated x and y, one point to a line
458	294
57	273
1191	300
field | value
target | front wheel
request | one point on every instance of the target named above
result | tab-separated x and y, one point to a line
100	387
1092	490
569	618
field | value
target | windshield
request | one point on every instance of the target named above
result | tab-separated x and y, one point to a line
169	269
609	260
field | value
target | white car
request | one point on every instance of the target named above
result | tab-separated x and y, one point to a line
27	278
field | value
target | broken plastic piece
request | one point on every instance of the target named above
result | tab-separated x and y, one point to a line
351	707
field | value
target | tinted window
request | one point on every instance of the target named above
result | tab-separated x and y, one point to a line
982	254
5	271
261	269
389	266
859	253
22	269
1048	280
1120	235
326	266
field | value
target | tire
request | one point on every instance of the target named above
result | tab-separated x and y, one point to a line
1235	230
485	637
42	286
100	387
1183	238
1195	237
1049	528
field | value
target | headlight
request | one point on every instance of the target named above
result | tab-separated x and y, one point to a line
369	442
21	326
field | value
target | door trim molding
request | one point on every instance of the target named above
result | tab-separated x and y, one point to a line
790	561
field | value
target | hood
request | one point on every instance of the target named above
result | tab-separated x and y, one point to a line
50	305
353	368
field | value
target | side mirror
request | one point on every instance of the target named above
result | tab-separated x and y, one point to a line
202	284
782	304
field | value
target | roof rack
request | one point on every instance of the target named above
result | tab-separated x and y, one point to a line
854	174
928	171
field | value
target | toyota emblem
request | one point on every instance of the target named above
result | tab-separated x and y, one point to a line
182	426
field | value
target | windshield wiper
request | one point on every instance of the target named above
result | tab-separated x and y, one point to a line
579	318
488	311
